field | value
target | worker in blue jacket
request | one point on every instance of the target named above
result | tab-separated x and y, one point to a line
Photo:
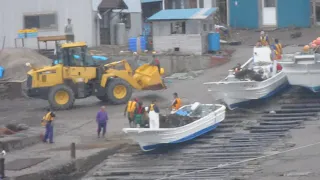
102	119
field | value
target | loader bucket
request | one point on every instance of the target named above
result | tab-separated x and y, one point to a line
149	78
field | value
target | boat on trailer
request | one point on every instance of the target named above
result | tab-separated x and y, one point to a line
204	118
235	91
302	70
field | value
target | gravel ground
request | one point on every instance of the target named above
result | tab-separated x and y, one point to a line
14	61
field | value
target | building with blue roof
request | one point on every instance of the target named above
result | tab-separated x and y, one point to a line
182	14
183	30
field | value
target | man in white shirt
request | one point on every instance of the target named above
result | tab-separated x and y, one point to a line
68	30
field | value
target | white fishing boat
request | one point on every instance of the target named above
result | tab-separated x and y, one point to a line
235	91
302	70
206	117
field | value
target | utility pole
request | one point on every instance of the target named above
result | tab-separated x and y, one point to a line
314	13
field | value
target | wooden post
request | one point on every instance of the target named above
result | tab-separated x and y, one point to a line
2	174
73	151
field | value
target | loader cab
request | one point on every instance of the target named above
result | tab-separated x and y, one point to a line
75	55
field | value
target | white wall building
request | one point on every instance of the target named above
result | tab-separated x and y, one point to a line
50	17
184	30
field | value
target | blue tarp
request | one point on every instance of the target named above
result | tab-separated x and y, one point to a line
150	1
101	58
182	113
1	72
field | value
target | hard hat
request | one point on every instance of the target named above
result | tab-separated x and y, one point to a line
306	48
262	33
154	52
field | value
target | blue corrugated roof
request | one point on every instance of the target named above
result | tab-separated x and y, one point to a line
182	14
149	1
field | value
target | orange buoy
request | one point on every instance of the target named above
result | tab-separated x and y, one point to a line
306	48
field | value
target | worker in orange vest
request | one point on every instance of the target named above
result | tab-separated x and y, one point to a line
276	55
176	104
129	110
278	49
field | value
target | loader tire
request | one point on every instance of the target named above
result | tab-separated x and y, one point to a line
103	98
61	97
118	91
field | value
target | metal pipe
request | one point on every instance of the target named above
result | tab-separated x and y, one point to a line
2	168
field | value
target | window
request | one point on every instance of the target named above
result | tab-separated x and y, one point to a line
211	27
76	56
204	27
269	3
178	28
201	4
40	21
126	19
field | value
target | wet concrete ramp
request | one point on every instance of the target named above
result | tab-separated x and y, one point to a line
224	152
20	164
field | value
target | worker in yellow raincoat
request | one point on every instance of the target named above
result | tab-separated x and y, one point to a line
264	39
129	111
47	120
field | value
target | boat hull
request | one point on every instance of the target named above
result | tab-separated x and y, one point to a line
150	139
305	75
236	93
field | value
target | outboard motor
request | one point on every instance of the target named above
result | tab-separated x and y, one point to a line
196	109
231	76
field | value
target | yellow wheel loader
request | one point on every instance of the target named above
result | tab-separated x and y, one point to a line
78	76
